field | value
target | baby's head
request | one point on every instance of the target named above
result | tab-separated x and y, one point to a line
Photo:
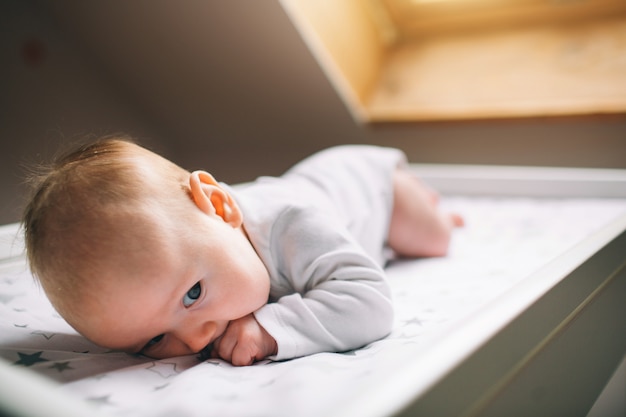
137	253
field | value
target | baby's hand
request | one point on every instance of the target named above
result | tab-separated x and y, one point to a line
244	342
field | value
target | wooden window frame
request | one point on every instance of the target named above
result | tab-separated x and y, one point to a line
535	59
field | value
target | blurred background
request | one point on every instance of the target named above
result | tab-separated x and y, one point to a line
226	86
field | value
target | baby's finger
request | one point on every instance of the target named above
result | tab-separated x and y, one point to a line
224	345
241	356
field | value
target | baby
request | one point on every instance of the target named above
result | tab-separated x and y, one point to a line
140	255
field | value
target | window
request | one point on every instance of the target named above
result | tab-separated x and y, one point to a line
414	18
406	60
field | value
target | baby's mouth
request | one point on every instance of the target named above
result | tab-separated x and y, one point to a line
205	353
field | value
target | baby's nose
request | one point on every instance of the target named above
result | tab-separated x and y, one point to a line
197	337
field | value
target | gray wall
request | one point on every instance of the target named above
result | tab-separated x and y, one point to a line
227	86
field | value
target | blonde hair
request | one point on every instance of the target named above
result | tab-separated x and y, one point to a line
72	222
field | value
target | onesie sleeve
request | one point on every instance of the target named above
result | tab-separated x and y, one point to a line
340	299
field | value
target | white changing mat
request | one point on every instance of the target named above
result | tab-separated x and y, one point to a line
504	240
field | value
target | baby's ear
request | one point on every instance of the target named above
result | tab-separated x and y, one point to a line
212	199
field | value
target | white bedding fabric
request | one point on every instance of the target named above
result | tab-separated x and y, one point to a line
505	240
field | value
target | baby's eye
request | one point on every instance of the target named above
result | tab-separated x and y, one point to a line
192	295
153	341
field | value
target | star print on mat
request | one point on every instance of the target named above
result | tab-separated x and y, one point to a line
30	360
100	401
47	336
413	320
5	298
61	366
163	369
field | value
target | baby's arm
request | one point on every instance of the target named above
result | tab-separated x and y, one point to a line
334	297
244	342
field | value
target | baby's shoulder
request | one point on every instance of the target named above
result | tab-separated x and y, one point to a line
300	217
301	228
